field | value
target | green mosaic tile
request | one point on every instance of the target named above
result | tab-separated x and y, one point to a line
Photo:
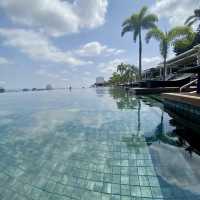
146	192
125	190
135	191
116	189
134	180
125	179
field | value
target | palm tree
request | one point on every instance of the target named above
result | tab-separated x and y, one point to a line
194	18
135	24
166	39
121	68
131	73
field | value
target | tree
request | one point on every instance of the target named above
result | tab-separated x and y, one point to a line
166	39
115	79
127	73
193	18
131	73
135	24
121	68
183	45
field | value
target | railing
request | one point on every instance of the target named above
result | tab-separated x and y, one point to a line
188	85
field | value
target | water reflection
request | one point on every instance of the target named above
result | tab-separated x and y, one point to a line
123	99
174	145
182	133
83	147
100	91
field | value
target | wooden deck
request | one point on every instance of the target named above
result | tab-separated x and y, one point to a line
188	98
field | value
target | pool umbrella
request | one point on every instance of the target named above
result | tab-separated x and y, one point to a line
195	70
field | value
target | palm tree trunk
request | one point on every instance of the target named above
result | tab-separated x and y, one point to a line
140	55
139	117
165	66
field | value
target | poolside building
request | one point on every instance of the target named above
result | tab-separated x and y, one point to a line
190	58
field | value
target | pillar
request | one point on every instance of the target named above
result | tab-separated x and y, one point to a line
198	58
198	84
161	75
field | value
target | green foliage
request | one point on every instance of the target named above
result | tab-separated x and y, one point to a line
125	73
135	24
183	45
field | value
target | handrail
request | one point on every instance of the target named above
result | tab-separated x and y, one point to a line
188	85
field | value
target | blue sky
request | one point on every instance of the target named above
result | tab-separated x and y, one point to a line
64	42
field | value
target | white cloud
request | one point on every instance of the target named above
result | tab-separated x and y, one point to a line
56	17
87	73
175	10
95	49
151	62
65	79
43	72
53	76
107	68
4	61
2	82
64	72
37	46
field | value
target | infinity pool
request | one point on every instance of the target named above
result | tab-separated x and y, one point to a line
94	144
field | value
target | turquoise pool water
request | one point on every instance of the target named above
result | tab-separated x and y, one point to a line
94	144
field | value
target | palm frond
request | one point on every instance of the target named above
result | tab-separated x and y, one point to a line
179	31
126	29
192	22
156	34
127	21
135	34
135	20
189	19
149	25
143	12
149	21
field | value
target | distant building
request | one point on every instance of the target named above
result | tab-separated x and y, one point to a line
49	87
100	81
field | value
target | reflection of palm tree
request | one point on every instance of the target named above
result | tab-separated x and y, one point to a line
136	142
139	117
160	134
123	99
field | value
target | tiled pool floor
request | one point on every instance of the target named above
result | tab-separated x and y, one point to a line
83	155
98	171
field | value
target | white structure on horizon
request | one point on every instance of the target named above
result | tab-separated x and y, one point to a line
49	87
100	80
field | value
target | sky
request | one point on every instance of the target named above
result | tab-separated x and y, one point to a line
71	42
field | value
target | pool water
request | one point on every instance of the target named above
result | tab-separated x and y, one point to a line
94	144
